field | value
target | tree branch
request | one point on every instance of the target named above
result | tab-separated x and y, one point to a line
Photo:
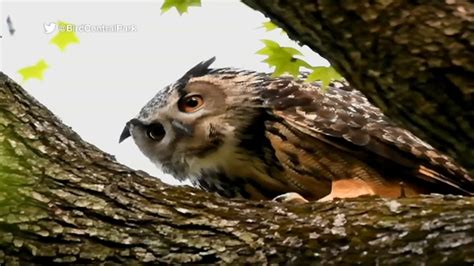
63	200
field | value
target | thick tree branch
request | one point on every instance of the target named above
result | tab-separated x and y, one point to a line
413	59
63	200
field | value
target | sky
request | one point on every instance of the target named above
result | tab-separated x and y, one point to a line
98	84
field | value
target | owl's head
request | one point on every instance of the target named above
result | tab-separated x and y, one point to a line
201	118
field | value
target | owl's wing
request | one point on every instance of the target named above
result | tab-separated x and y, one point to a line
343	118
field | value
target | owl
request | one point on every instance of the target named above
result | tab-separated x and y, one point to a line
244	134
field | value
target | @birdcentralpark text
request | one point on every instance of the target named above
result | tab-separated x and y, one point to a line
98	28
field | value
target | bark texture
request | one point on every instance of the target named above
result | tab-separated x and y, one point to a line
413	59
64	201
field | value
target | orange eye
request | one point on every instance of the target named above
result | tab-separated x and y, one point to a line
191	103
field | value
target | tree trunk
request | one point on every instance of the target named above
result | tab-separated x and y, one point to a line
63	200
413	59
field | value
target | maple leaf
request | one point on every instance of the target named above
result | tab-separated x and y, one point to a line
269	26
35	71
324	74
66	36
282	58
180	5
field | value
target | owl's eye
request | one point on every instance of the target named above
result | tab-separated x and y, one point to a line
190	103
155	131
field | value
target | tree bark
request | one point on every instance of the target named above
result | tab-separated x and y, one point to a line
63	200
413	59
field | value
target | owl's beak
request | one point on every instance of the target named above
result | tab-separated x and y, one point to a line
126	130
125	133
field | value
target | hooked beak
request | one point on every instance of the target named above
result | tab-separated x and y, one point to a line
126	130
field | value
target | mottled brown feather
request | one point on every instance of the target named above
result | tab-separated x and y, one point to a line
362	137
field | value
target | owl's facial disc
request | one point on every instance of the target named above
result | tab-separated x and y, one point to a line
182	126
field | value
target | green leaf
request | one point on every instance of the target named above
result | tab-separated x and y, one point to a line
282	58
35	71
269	26
324	74
66	36
180	5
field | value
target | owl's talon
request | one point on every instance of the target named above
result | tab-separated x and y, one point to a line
402	190
290	197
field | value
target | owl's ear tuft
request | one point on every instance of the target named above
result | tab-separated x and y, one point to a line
198	70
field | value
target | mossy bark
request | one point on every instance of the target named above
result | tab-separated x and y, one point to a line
64	201
413	59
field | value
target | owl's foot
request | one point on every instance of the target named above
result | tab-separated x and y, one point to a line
290	197
402	190
348	188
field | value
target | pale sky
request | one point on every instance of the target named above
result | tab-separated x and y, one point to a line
99	84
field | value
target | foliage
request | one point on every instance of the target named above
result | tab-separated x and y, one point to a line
180	5
66	36
282	58
324	74
35	71
269	26
285	62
